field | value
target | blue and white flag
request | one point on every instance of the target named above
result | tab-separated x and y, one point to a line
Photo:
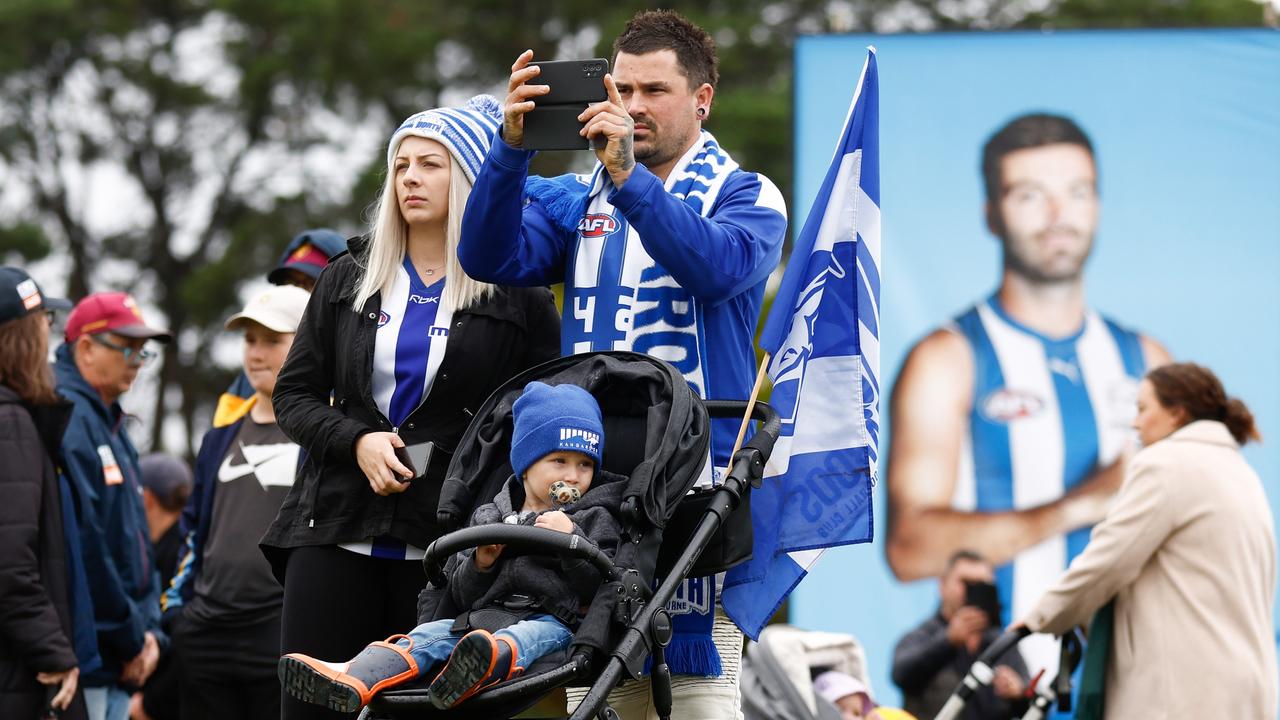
823	336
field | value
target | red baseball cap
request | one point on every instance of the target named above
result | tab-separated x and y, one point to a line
115	312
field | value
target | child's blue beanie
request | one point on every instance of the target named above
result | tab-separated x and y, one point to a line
550	418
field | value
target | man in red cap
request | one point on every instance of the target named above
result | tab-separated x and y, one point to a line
105	346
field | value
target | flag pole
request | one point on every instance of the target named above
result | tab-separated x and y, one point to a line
751	404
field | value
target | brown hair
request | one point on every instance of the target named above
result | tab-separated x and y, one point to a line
24	362
1199	392
1023	132
656	30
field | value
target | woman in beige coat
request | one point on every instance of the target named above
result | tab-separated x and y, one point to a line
1188	552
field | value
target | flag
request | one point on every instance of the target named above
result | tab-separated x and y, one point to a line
823	337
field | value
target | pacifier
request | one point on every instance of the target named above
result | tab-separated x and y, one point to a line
563	494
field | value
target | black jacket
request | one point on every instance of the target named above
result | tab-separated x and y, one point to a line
35	609
928	667
324	402
559	586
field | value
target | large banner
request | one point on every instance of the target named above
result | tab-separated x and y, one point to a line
1160	187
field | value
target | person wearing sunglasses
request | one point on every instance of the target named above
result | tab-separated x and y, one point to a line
105	347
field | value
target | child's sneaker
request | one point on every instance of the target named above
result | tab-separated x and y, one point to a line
479	660
349	686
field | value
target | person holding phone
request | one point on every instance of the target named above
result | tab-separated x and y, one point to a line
931	660
398	348
663	249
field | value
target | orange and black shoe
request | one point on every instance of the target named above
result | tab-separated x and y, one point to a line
479	660
349	686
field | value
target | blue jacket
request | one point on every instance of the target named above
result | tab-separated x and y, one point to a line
197	516
102	465
534	234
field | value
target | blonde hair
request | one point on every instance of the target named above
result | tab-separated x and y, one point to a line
389	238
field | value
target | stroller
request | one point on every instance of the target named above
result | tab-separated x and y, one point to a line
778	671
657	434
1043	698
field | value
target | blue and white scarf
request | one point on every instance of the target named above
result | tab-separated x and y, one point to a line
618	298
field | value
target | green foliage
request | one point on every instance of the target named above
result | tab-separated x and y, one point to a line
24	239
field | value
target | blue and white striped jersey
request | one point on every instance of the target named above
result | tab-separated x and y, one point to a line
1047	412
409	344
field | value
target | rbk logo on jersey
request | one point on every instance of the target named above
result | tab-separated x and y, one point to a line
1006	405
423	299
597	225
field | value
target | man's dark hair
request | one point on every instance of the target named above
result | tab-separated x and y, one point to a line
964	556
656	30
1027	131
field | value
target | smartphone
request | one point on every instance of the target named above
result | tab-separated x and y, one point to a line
574	84
415	457
983	596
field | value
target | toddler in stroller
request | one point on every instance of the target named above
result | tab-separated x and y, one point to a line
557	484
656	435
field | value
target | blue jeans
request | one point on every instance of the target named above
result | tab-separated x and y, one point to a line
110	702
535	636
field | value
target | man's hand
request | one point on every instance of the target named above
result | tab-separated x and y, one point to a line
966	628
610	120
487	555
66	682
1008	684
554	520
137	670
376	456
520	98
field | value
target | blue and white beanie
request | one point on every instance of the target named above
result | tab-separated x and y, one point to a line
550	418
467	131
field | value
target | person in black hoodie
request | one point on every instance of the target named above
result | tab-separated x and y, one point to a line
555	452
39	667
396	351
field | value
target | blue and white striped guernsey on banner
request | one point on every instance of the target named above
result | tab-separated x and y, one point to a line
823	335
1047	412
413	331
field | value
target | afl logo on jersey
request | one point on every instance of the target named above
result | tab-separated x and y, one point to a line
1006	405
383	318
597	225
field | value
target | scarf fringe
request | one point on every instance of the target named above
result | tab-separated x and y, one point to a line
564	199
693	655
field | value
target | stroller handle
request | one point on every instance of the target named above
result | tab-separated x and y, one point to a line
766	436
517	537
980	673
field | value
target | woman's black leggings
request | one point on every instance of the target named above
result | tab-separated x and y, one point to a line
336	602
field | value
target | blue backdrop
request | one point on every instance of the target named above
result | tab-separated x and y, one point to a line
1186	128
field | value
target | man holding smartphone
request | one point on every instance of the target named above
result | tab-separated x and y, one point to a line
663	249
930	660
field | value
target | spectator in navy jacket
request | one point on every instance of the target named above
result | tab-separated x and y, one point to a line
104	349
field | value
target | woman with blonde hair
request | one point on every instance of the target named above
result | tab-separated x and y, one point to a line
1187	553
397	350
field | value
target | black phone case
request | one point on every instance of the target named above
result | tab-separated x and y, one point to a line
416	457
575	84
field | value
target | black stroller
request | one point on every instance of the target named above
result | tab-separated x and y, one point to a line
1043	698
657	434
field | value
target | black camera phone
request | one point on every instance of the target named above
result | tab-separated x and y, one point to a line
416	458
983	596
553	122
